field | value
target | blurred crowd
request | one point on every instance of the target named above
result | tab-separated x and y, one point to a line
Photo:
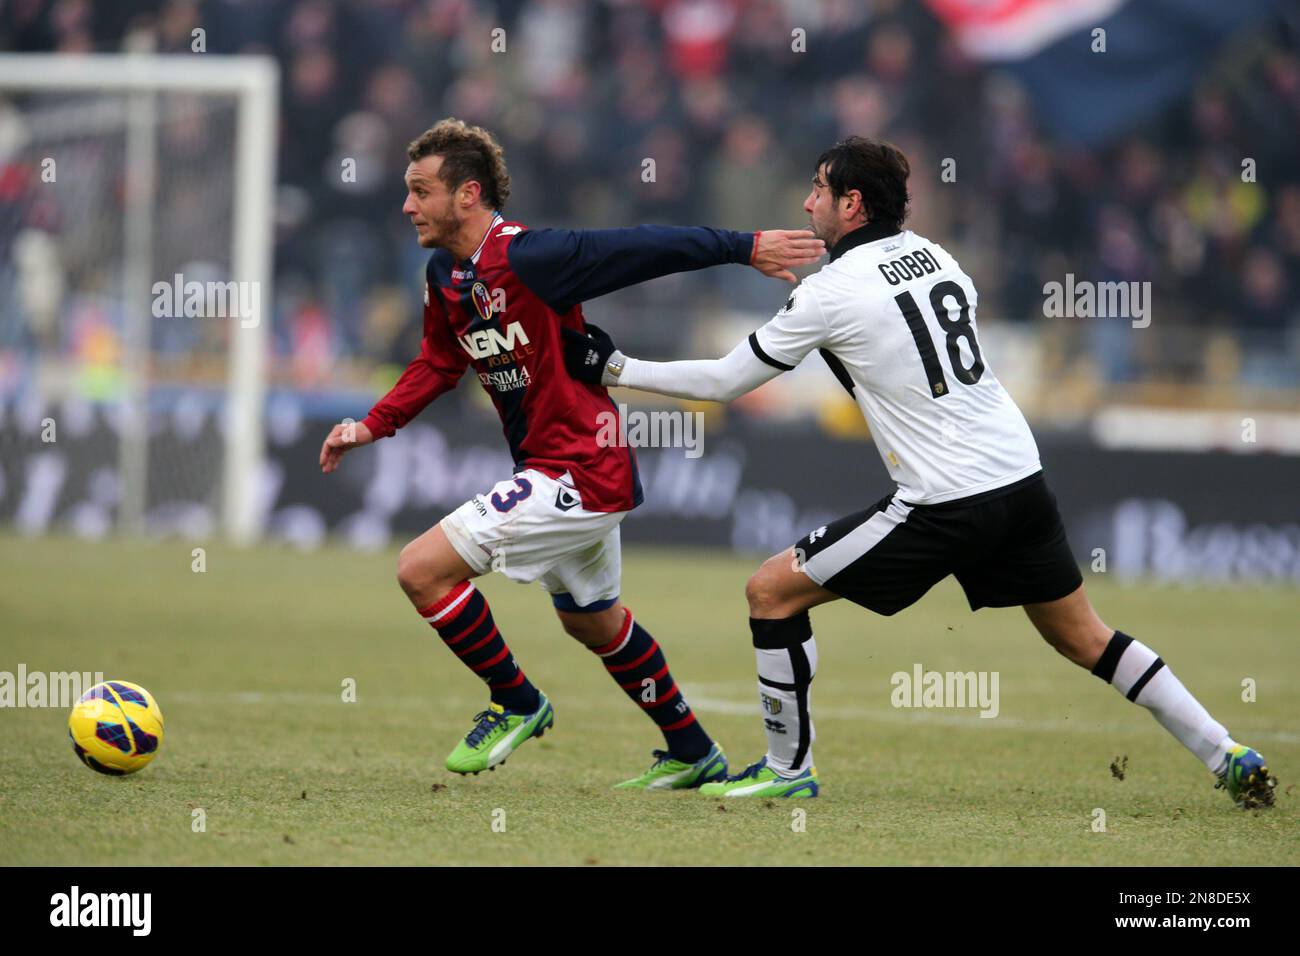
716	92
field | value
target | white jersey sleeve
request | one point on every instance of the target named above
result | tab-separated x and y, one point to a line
706	380
777	347
792	333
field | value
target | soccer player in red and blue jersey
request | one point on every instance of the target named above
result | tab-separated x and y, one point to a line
497	296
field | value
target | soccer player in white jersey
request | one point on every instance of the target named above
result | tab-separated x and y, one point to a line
893	315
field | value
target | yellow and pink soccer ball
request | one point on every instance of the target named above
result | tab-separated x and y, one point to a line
116	727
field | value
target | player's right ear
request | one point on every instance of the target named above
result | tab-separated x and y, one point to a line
854	206
469	194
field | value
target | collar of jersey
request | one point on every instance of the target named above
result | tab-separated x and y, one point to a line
497	219
871	232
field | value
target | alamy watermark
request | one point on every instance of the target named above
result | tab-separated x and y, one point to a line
75	908
659	429
1083	299
208	300
939	689
45	689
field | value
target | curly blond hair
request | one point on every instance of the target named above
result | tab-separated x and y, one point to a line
468	153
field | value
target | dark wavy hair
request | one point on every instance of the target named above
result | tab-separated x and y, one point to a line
876	169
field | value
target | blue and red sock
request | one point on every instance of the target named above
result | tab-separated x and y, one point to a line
464	622
634	660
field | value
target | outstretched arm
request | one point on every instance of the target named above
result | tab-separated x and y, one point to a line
708	380
565	267
777	347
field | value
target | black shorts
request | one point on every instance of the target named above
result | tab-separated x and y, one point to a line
1006	547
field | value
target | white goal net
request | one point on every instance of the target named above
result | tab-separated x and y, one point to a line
135	291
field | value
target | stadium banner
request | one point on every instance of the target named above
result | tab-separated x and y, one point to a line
1096	70
749	486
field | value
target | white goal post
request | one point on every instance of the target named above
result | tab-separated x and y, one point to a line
253	82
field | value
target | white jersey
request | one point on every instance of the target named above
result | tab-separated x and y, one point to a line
895	320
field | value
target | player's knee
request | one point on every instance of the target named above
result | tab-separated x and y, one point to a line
408	569
595	629
762	593
1076	646
417	575
579	628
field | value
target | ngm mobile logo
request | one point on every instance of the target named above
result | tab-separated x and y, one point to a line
498	348
103	909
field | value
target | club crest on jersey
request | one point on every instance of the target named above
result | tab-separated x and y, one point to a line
771	704
482	301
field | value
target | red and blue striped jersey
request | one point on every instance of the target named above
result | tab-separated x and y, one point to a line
501	311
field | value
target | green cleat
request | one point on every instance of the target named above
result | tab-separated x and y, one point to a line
497	733
669	774
1247	779
760	780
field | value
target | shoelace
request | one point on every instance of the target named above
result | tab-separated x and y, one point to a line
484	722
751	771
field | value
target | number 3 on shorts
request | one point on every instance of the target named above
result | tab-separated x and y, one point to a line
525	488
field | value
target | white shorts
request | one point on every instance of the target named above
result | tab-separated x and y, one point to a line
533	528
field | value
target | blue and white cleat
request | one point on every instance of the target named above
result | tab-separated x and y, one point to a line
1247	779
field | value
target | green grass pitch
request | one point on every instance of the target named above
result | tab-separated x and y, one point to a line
248	661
